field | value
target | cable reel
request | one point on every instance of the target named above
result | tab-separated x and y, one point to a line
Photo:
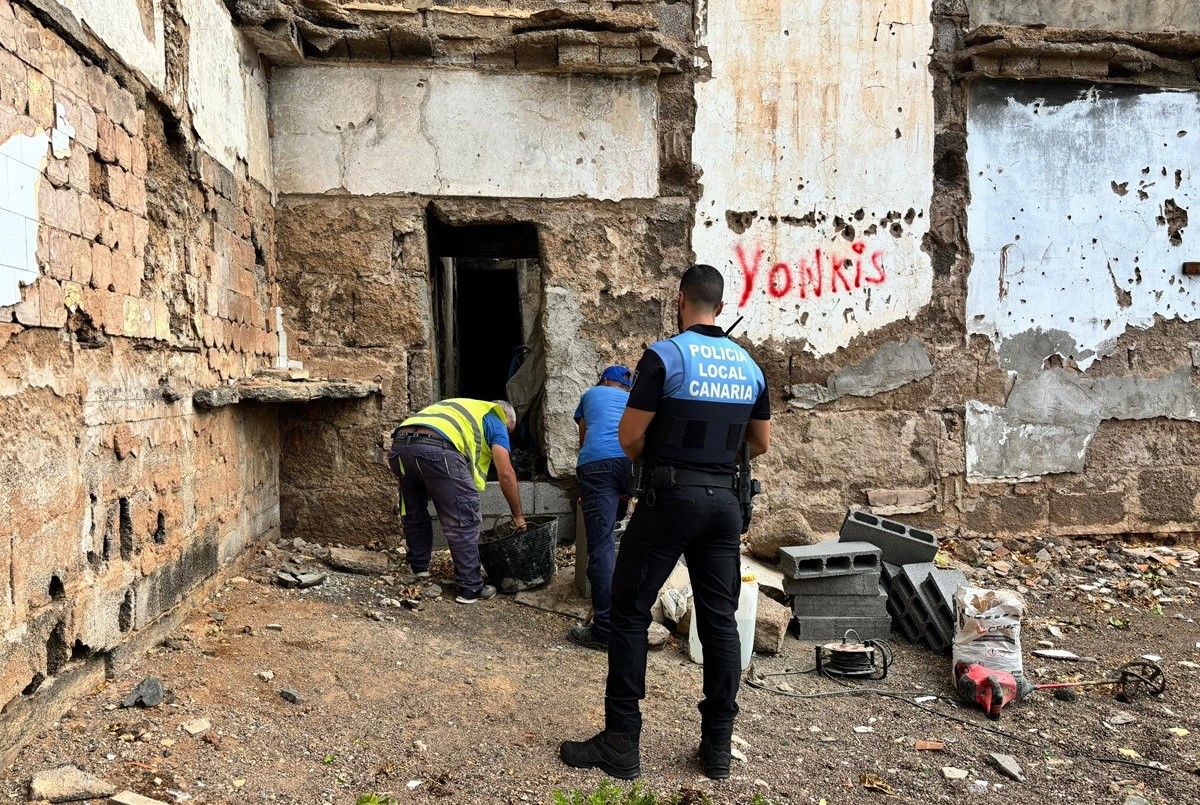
854	660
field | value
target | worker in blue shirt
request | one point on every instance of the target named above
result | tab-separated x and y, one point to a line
605	477
696	398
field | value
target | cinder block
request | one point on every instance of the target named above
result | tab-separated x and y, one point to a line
829	559
857	584
824	630
939	588
858	606
898	543
938	630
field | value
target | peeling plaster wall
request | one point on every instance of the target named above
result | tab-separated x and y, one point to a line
227	90
146	272
1106	15
369	131
132	28
815	138
1098	248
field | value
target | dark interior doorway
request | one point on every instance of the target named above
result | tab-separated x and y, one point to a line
486	281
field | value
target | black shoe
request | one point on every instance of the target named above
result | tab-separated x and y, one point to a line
614	753
487	592
715	757
582	635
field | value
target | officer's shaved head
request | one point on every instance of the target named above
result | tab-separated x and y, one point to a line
703	286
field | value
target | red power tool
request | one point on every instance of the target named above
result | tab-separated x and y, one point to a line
986	687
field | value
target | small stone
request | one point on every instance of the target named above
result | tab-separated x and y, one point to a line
197	727
1121	718
413	604
864	730
737	754
432	591
167	742
951	773
1136	799
266	676
656	635
67	784
274	627
286	580
219	617
149	693
306	580
291	695
1008	766
420	746
353	560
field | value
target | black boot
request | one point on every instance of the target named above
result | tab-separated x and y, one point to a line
715	757
614	753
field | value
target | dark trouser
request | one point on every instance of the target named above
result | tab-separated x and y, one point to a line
703	524
603	483
429	467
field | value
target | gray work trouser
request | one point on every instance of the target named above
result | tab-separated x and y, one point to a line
430	467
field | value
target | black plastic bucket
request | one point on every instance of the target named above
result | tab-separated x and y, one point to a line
523	559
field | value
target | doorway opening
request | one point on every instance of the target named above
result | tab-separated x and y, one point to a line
486	281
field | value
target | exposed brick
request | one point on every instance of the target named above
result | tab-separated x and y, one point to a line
80	169
61	254
89	217
81	261
105	139
41	99
115	186
58	172
14	83
54	314
138	161
122	145
101	266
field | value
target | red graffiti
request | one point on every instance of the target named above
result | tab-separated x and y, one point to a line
809	278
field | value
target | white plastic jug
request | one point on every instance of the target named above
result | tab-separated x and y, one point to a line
747	613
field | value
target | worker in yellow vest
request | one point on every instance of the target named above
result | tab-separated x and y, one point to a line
443	453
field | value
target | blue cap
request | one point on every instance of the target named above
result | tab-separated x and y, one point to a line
618	373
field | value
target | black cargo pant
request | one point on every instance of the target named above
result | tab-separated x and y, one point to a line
429	467
704	524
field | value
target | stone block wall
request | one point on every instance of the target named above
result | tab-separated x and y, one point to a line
148	273
606	269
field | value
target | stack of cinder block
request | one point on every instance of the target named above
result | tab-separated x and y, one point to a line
835	588
920	595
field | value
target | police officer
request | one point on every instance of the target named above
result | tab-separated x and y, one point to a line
696	397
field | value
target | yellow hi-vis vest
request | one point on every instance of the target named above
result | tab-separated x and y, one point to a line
461	421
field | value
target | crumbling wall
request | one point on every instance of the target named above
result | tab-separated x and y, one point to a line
145	272
355	280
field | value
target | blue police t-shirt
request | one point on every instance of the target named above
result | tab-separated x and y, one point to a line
600	408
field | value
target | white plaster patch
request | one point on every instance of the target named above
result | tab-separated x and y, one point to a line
132	28
64	132
227	90
1074	191
22	161
374	131
816	112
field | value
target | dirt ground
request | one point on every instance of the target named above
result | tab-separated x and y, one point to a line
467	704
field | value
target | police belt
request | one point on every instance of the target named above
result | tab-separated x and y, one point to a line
672	477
